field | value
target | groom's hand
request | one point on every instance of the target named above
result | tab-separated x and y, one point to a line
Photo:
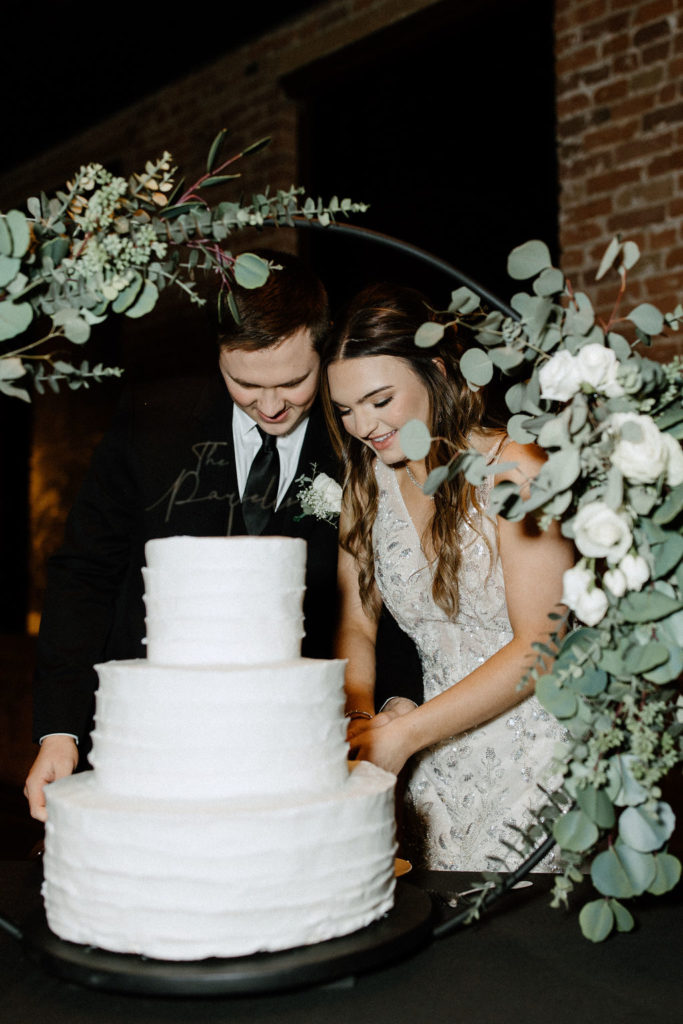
58	756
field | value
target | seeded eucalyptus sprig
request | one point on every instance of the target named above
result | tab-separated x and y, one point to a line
610	421
105	245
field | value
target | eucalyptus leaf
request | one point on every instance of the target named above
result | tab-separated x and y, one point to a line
464	300
250	270
671	669
631	255
145	302
558	701
549	282
596	920
622	872
667	874
623	918
9	268
11	368
619	345
15	318
644	657
648	606
428	334
575	831
646	829
215	149
506	358
434	479
20	232
670	507
476	367
597	805
516	428
218	179
77	330
5	238
630	792
580	316
415	439
591	682
125	299
528	260
647	318
610	255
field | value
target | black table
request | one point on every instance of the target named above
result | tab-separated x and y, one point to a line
522	962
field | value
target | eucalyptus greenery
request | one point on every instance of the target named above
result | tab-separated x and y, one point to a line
610	421
106	245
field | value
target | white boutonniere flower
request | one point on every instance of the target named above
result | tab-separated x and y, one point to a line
320	496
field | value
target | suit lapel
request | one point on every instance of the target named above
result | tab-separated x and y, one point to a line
316	457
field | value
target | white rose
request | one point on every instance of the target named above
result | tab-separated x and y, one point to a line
575	583
592	606
642	461
600	532
587	601
559	378
329	492
636	571
615	581
674	469
597	366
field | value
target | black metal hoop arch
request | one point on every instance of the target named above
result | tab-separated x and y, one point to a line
377	237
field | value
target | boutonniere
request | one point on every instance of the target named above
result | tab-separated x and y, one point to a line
320	496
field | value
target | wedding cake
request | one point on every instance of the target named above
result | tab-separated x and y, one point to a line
221	817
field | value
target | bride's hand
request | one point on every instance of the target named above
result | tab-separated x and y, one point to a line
383	742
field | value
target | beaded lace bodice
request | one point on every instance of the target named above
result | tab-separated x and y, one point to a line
463	790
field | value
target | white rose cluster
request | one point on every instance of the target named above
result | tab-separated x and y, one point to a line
328	492
587	600
593	368
600	532
647	455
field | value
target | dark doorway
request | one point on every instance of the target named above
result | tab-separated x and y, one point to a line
443	123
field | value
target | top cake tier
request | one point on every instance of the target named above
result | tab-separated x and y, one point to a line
223	601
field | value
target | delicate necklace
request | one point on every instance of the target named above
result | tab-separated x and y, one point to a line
417	483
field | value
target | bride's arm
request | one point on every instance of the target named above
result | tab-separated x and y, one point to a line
533	565
355	639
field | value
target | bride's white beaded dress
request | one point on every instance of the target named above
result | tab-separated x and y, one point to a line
463	792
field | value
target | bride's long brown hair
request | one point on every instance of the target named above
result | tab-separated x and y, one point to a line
382	320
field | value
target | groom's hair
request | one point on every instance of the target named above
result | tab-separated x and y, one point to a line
293	298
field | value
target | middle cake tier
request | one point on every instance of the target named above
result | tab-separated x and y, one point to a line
215	731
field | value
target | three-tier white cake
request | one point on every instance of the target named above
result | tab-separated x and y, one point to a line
220	818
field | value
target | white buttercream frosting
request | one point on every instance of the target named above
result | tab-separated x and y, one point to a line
220	818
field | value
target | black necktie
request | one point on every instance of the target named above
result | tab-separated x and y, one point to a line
260	492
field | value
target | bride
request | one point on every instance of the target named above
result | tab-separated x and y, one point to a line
473	591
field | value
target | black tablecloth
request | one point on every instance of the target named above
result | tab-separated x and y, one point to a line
522	962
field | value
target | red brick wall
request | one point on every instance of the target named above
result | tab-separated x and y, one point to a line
620	144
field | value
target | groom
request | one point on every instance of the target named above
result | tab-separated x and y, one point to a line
202	457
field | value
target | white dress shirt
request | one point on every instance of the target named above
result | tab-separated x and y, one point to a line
247	441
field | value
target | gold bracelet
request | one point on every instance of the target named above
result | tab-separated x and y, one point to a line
358	714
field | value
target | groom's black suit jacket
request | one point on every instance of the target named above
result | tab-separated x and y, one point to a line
166	467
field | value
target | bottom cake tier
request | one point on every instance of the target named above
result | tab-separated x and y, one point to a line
176	880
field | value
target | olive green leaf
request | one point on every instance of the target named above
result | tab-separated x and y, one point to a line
250	270
415	439
646	828
597	805
623	918
596	920
575	831
14	318
428	334
622	872
476	367
647	318
667	874
528	260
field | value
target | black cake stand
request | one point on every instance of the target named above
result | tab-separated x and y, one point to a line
406	928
